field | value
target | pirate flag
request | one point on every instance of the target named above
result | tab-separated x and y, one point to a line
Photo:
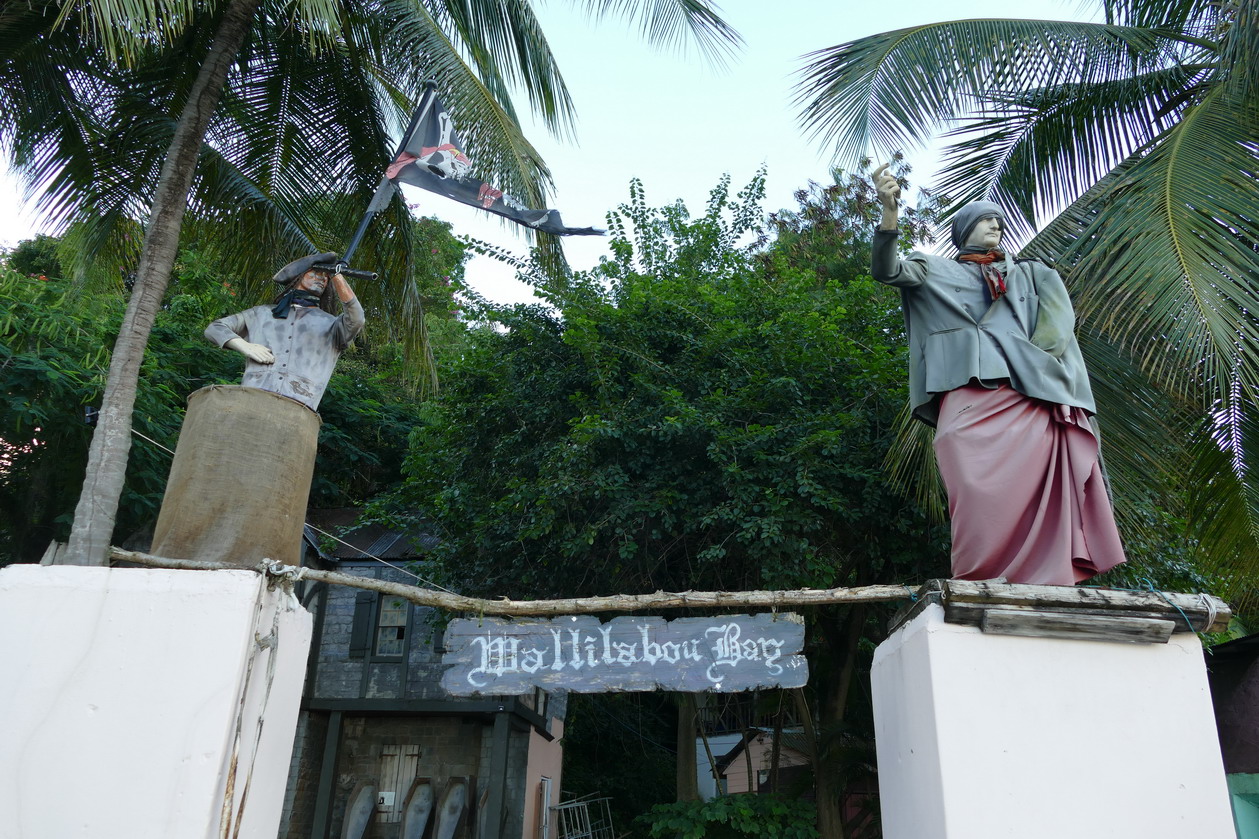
432	158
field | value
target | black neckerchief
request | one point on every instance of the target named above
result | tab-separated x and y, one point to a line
293	297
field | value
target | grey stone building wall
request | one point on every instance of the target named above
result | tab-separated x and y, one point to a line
451	743
297	816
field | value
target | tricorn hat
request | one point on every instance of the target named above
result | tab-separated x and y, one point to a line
297	267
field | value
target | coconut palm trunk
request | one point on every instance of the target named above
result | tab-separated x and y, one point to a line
111	443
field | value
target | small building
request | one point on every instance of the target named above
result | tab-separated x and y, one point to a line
376	728
749	764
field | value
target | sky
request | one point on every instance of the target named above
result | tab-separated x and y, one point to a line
672	120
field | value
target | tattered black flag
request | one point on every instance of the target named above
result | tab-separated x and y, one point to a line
432	158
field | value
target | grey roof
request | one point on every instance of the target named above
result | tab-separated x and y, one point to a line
369	540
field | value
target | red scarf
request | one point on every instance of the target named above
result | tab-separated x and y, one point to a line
993	277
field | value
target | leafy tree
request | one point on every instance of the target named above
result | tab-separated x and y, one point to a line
701	411
307	90
622	742
36	257
1143	127
682	417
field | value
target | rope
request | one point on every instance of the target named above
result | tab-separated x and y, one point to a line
170	452
229	792
271	642
1212	612
1205	599
1185	617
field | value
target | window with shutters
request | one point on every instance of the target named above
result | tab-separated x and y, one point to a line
380	626
391	627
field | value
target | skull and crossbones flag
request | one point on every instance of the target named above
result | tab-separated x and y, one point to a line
432	158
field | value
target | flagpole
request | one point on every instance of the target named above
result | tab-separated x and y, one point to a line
426	104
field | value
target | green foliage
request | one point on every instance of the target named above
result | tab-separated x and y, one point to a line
54	350
694	412
710	408
621	744
733	817
36	257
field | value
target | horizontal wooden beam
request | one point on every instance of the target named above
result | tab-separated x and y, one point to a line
964	601
567	606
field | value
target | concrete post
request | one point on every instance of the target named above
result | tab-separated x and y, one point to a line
988	736
146	703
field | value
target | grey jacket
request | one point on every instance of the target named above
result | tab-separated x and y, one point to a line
955	334
306	344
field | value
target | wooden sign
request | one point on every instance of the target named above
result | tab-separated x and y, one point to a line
579	653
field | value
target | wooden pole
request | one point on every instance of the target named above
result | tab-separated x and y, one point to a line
569	606
963	601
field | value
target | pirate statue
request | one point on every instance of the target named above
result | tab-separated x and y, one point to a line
241	476
995	368
291	347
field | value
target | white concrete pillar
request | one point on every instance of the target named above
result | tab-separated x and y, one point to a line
981	736
144	703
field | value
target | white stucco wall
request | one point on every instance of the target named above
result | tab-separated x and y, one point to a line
983	736
121	695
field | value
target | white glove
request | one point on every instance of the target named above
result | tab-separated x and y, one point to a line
254	352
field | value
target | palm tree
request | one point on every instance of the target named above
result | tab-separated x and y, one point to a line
1144	128
269	143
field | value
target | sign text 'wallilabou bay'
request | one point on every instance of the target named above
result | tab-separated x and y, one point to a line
579	653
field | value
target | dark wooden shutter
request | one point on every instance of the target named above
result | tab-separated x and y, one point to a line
361	629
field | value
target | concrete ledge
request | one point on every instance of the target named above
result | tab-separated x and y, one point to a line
132	698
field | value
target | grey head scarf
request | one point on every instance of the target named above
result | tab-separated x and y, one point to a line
970	215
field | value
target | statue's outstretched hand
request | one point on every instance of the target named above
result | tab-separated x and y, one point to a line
256	353
885	184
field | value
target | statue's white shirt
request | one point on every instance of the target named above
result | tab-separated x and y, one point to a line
306	345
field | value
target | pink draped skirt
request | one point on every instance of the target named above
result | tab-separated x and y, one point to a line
1026	495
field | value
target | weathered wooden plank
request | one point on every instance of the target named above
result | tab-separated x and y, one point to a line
1205	612
1044	624
973	614
579	653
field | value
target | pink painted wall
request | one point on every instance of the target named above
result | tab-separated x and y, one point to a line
545	761
761	749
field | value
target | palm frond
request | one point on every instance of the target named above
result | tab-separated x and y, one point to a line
127	29
1180	284
674	24
911	466
1224	509
890	91
505	41
1034	152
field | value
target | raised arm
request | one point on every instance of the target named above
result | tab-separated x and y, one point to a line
885	266
889	192
351	321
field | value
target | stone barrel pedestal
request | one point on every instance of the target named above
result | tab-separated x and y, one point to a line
240	479
1002	715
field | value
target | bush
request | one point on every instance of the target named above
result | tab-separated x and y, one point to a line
733	817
